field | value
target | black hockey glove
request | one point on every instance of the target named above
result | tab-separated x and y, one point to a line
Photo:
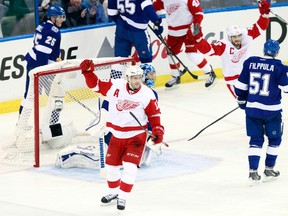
158	28
241	103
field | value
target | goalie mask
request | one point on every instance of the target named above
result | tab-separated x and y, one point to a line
149	74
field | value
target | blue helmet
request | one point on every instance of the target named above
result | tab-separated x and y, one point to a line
55	10
148	68
271	47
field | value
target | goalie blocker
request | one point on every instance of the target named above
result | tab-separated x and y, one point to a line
58	136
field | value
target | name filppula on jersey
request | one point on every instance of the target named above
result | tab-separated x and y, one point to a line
261	66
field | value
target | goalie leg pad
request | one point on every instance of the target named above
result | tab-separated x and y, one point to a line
78	156
146	157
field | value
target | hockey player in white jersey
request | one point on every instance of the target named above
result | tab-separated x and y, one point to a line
180	15
237	47
258	91
128	138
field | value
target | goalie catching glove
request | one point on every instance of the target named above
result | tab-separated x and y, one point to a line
158	28
158	133
241	103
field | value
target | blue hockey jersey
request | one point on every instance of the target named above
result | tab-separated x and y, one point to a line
46	48
134	14
260	84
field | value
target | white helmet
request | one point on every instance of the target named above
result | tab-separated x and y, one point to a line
134	70
233	30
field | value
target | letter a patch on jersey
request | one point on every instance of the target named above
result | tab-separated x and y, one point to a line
116	93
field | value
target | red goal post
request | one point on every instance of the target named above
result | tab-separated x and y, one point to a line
57	96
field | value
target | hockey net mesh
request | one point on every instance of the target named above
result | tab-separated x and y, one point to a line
62	97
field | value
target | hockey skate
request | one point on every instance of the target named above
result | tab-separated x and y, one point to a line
211	78
270	174
121	204
109	198
254	178
172	82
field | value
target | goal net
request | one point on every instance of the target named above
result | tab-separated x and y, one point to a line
58	109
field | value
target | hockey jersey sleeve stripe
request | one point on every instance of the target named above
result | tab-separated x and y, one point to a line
145	4
241	86
32	54
263	22
179	27
258	27
284	88
196	10
125	128
262	106
230	78
134	24
112	12
43	49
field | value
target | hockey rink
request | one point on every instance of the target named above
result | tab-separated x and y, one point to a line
207	176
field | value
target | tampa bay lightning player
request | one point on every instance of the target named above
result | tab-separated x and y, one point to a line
259	93
131	18
46	42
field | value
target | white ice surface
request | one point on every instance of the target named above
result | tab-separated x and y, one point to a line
207	176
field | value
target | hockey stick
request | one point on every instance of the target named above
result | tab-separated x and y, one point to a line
97	115
101	148
276	15
280	18
172	54
213	123
101	141
97	120
147	131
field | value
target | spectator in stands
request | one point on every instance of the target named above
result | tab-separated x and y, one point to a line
43	7
94	12
19	18
73	12
84	12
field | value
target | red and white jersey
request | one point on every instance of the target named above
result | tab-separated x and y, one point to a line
142	103
180	14
233	58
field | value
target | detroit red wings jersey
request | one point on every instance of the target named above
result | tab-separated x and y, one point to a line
142	103
180	14
233	58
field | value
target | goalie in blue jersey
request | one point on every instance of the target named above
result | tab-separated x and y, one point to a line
258	91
